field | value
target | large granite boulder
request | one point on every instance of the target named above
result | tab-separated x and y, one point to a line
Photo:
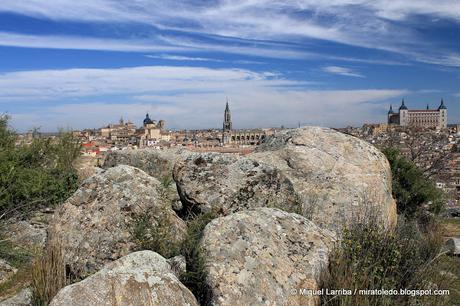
227	183
264	256
157	163
326	176
140	278
94	224
337	177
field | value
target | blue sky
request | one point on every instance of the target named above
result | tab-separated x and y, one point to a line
77	64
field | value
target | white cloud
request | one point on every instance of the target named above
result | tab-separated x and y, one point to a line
83	43
183	58
76	83
372	24
342	71
187	97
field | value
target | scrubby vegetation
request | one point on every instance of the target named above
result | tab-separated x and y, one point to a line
411	188
36	174
158	238
408	257
18	257
371	257
48	275
195	277
155	236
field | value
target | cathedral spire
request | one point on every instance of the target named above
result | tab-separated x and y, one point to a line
227	126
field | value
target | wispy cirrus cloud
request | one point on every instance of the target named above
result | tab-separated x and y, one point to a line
84	43
376	24
183	58
187	97
58	84
342	71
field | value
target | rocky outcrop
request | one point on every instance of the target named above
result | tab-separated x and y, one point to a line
141	278
93	226
22	298
157	163
328	177
337	177
263	257
227	183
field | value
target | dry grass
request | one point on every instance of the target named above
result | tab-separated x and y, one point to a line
370	257
20	280
48	274
20	258
451	227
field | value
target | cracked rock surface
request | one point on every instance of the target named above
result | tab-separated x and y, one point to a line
140	278
228	183
257	257
337	177
93	225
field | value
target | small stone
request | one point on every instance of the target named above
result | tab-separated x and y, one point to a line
453	246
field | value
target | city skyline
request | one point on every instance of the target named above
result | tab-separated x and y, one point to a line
83	65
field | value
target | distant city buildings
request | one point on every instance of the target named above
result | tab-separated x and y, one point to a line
152	133
436	151
425	118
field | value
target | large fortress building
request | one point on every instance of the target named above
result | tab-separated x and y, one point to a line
428	118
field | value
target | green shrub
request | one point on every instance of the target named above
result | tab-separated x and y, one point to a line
37	174
411	188
195	276
371	257
153	235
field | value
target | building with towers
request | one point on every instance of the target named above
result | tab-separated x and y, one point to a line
240	137
152	132
427	118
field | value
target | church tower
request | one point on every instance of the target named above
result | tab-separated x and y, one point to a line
227	126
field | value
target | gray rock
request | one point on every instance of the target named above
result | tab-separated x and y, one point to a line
29	234
263	257
157	163
337	177
452	212
453	246
140	278
228	183
23	298
178	265
6	271
93	226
